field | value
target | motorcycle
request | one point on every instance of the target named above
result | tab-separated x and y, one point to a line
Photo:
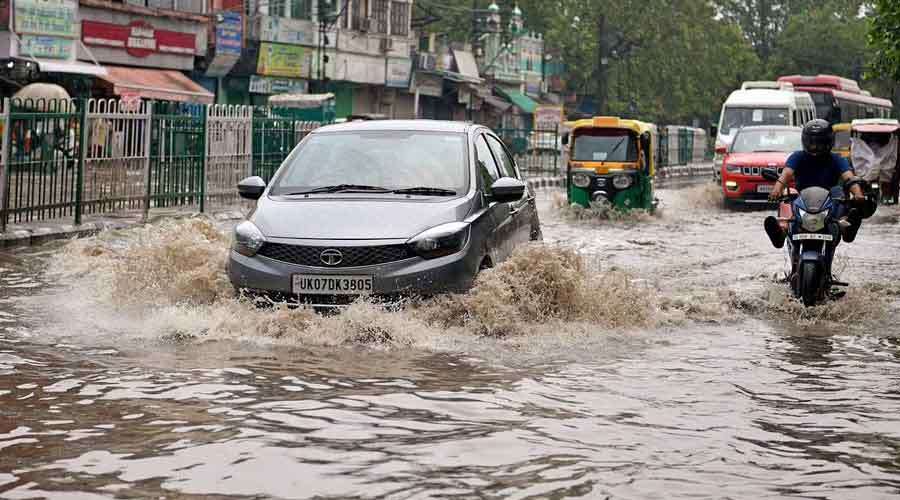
808	221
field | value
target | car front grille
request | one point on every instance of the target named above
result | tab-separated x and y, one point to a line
350	256
757	170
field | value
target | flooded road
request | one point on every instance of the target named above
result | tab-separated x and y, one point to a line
669	366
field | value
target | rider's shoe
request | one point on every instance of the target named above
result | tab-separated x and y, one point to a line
773	229
850	226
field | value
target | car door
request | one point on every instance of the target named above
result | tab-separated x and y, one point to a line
501	239
522	211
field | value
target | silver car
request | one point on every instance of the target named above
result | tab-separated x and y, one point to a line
385	208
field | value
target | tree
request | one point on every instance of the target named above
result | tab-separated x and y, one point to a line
821	40
884	38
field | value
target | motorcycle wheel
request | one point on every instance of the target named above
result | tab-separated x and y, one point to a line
810	283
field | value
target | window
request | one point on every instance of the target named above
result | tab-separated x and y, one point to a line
301	9
360	11
380	15
400	18
774	140
507	166
486	166
393	160
605	145
735	118
276	7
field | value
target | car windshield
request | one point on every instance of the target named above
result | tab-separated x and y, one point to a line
604	145
736	118
775	140
366	161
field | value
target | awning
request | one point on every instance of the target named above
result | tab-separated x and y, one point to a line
496	102
466	65
520	100
160	84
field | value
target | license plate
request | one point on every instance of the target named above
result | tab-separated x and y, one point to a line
324	284
812	236
764	188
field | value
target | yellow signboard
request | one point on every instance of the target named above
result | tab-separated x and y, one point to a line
278	59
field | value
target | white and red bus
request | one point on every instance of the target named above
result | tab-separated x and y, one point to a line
839	100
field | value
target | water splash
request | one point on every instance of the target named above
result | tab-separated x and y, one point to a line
599	213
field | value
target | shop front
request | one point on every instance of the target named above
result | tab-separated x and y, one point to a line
144	56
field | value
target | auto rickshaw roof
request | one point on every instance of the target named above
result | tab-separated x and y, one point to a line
636	126
841	127
876	125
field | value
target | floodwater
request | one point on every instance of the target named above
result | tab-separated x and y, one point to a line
652	357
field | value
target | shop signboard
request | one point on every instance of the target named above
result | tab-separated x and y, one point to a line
285	30
548	117
430	85
138	38
46	47
291	61
229	43
398	72
268	85
57	18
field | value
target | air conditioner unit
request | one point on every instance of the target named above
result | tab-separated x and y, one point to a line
387	44
367	25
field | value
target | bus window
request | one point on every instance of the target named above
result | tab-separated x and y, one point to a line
823	104
737	117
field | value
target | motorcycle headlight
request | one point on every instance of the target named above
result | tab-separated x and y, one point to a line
581	180
813	222
248	239
622	181
440	241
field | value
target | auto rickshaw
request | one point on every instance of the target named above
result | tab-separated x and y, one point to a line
875	155
842	140
610	160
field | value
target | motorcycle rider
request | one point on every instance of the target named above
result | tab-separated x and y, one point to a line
817	166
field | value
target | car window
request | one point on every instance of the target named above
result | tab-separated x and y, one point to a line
737	117
507	166
388	159
767	140
487	167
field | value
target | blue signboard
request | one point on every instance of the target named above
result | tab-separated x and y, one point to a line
229	31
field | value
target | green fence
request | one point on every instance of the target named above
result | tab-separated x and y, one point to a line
65	158
537	151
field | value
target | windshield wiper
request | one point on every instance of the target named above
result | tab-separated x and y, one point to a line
342	188
616	147
427	191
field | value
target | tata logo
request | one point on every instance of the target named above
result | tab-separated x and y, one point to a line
331	257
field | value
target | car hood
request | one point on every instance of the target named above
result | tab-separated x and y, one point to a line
759	159
345	219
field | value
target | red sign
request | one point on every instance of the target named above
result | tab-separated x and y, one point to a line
139	38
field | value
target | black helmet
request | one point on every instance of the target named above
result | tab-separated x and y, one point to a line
818	137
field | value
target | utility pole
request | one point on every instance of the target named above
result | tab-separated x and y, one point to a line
602	96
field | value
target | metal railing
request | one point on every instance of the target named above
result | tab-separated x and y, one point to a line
537	151
67	158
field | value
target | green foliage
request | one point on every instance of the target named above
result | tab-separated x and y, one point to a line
673	61
884	38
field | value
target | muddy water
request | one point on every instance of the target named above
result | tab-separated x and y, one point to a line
126	371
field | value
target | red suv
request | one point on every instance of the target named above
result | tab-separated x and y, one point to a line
752	150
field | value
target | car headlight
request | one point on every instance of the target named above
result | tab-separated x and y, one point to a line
732	169
622	181
813	222
248	239
581	180
440	241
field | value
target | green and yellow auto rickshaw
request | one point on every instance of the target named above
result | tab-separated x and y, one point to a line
610	160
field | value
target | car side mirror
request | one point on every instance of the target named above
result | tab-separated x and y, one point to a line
507	190
251	188
720	150
565	139
769	174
